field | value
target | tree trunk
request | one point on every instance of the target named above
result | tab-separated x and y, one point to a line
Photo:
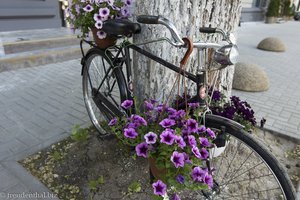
155	81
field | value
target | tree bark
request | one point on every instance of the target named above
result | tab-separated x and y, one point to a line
155	81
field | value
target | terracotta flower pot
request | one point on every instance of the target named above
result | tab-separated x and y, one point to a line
156	172
103	43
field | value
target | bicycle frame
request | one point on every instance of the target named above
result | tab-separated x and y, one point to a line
198	78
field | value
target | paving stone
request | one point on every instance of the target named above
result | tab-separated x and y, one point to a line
7	180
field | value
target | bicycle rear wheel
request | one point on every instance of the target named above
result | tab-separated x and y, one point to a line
104	88
245	170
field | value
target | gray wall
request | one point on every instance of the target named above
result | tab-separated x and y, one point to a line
29	14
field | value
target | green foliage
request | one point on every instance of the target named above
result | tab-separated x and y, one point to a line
273	8
79	134
135	187
286	10
57	156
94	184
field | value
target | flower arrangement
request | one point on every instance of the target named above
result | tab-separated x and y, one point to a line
174	140
235	109
88	14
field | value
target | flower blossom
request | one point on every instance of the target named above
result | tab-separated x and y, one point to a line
192	125
167	137
180	179
175	197
198	174
142	149
148	105
98	24
192	141
113	122
101	34
177	159
150	138
159	188
130	133
180	141
204	142
88	8
211	133
104	12
127	104
167	123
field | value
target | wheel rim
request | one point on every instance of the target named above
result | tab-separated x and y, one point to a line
96	69
241	173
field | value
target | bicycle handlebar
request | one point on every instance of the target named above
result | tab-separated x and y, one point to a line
152	19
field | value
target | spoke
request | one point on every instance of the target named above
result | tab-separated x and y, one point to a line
242	173
249	195
231	161
250	179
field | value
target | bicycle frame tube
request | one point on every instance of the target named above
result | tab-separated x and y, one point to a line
188	75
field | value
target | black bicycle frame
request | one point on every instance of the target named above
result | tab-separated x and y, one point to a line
198	79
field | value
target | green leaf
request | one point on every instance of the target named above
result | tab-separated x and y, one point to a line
135	187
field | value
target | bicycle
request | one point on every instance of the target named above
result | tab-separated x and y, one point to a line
245	170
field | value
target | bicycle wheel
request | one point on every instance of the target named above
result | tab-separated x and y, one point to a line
245	169
104	88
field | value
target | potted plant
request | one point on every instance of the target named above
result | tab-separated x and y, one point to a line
272	11
89	15
173	141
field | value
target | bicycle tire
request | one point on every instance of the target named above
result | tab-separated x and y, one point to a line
246	146
99	63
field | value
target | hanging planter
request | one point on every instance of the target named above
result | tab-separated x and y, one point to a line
104	43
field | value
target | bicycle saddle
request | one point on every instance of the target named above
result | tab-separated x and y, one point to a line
121	27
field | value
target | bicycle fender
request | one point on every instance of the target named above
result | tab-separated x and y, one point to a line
216	120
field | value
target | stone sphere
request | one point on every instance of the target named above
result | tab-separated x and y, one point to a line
250	77
272	44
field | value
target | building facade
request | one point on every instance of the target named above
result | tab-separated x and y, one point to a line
30	14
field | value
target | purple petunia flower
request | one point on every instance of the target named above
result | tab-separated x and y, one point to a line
204	154
139	120
130	133
211	133
193	105
161	108
148	105
127	104
187	158
101	34
104	12
202	129
167	137
150	138
180	179
192	125
167	123
208	179
177	159
110	2
198	174
180	114
196	152
172	113
77	9
88	8
175	197
204	142
142	149
113	122
192	141
98	24
159	188
128	2
125	11
180	141
97	17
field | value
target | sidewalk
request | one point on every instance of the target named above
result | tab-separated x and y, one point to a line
40	105
280	105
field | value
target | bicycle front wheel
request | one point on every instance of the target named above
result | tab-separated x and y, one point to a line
244	169
104	88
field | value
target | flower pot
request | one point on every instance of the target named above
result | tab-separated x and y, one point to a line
217	151
270	20
103	43
156	172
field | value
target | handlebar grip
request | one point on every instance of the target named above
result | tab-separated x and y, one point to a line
207	30
147	19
